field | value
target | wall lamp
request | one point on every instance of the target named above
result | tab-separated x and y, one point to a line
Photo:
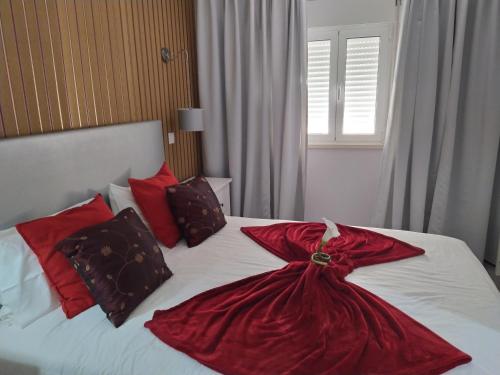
190	119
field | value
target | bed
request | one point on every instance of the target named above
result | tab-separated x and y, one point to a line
447	289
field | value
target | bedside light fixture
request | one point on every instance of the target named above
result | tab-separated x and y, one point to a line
190	119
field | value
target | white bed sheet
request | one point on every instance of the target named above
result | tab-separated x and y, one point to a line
446	289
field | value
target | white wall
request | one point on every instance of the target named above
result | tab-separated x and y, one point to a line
342	183
347	12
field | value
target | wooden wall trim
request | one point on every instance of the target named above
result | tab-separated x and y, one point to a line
78	63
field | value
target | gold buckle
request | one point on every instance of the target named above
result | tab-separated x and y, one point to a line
320	258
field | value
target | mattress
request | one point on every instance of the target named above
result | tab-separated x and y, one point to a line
447	290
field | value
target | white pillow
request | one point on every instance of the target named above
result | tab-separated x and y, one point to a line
121	197
24	289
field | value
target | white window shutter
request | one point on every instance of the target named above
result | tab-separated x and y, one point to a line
361	82
318	78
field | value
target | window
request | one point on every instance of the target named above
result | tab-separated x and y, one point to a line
348	78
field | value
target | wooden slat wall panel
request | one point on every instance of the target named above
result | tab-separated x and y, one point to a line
167	74
52	63
151	54
191	43
90	61
7	106
185	96
36	63
11	66
78	63
108	88
70	88
187	70
2	131
20	32
118	60
177	68
130	59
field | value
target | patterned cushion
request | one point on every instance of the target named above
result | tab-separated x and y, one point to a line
119	260
196	210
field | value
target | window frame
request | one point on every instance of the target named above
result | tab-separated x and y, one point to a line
331	34
338	35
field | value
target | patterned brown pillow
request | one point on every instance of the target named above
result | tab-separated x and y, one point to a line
119	260
196	210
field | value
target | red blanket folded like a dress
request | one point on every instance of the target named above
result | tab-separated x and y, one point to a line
305	318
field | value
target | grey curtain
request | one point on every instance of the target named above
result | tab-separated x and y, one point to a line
441	154
252	82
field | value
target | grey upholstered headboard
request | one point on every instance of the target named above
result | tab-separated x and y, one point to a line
42	174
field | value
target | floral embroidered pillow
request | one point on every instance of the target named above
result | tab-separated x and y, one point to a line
196	210
119	261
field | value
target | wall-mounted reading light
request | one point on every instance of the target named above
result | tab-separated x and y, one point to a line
190	119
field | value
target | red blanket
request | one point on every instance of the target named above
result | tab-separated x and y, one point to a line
305	318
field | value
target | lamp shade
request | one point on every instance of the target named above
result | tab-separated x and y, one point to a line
191	119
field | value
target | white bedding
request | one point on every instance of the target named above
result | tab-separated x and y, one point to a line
446	289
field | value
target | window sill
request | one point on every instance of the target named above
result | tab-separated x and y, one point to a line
358	145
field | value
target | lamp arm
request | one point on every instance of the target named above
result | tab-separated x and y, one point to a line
190	98
171	57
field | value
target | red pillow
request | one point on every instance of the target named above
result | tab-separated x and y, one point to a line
150	196
43	234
